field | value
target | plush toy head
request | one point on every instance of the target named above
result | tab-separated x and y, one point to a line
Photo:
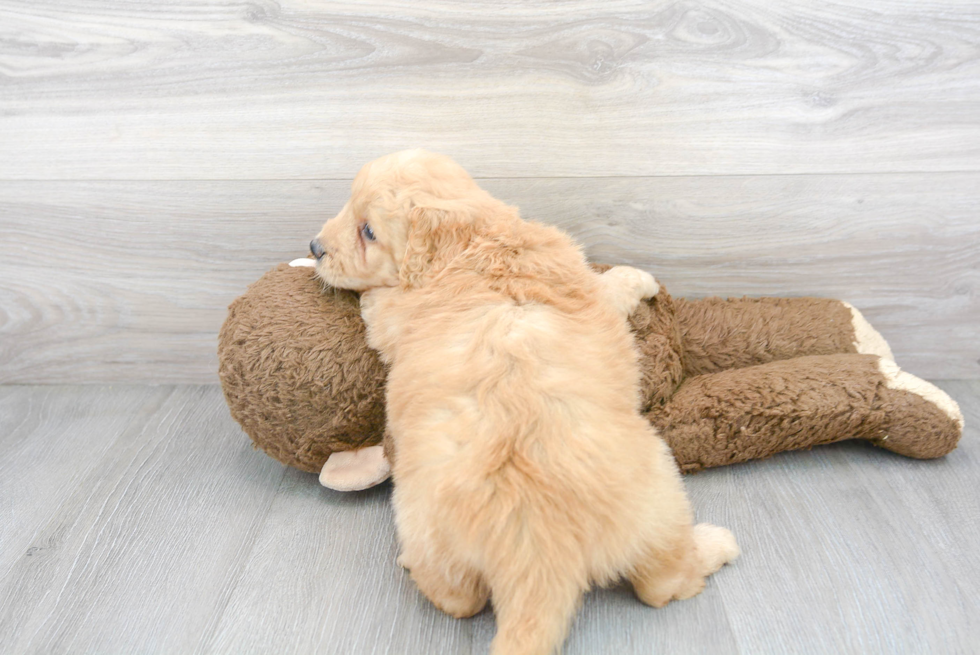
300	379
296	370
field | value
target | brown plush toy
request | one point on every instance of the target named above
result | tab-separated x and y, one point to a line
724	381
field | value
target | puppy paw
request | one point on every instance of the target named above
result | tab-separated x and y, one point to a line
368	302
648	286
716	546
627	286
638	283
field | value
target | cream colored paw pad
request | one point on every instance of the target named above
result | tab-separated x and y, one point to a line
867	340
896	378
354	470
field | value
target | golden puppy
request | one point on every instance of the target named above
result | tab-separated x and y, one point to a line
524	470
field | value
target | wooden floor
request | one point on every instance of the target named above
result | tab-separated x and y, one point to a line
138	519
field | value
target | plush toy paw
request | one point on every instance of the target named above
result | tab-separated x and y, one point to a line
922	421
354	470
867	340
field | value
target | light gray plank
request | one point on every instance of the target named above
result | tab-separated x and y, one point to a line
144	553
851	549
302	89
42	461
614	621
129	281
183	539
323	578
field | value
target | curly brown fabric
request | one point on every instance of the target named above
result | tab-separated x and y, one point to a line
296	370
723	380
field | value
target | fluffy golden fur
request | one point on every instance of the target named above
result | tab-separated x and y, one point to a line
524	470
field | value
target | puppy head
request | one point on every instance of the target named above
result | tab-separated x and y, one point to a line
407	212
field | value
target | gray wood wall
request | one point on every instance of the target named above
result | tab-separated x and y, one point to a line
156	157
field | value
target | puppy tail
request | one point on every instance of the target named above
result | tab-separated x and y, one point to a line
534	608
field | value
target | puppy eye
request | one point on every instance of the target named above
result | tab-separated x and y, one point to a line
367	232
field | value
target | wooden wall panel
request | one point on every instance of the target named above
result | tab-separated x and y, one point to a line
155	157
304	89
128	281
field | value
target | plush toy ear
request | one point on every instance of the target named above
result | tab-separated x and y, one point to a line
436	234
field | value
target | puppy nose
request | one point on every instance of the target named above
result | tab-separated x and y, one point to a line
316	248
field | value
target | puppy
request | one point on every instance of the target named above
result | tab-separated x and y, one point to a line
524	471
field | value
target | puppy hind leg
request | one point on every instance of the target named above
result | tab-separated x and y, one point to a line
533	611
679	571
456	590
715	546
663	574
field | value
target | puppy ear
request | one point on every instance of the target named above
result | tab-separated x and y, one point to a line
436	235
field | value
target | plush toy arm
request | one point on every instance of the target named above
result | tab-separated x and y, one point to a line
354	470
755	412
625	287
721	334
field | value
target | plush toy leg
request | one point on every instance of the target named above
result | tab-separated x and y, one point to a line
924	422
353	470
723	334
755	412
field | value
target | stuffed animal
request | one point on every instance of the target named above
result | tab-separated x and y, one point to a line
724	381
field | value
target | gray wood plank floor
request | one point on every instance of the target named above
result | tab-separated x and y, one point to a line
139	520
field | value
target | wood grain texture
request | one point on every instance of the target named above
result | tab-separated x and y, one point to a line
301	89
129	281
338	590
42	462
156	157
853	549
181	539
143	553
